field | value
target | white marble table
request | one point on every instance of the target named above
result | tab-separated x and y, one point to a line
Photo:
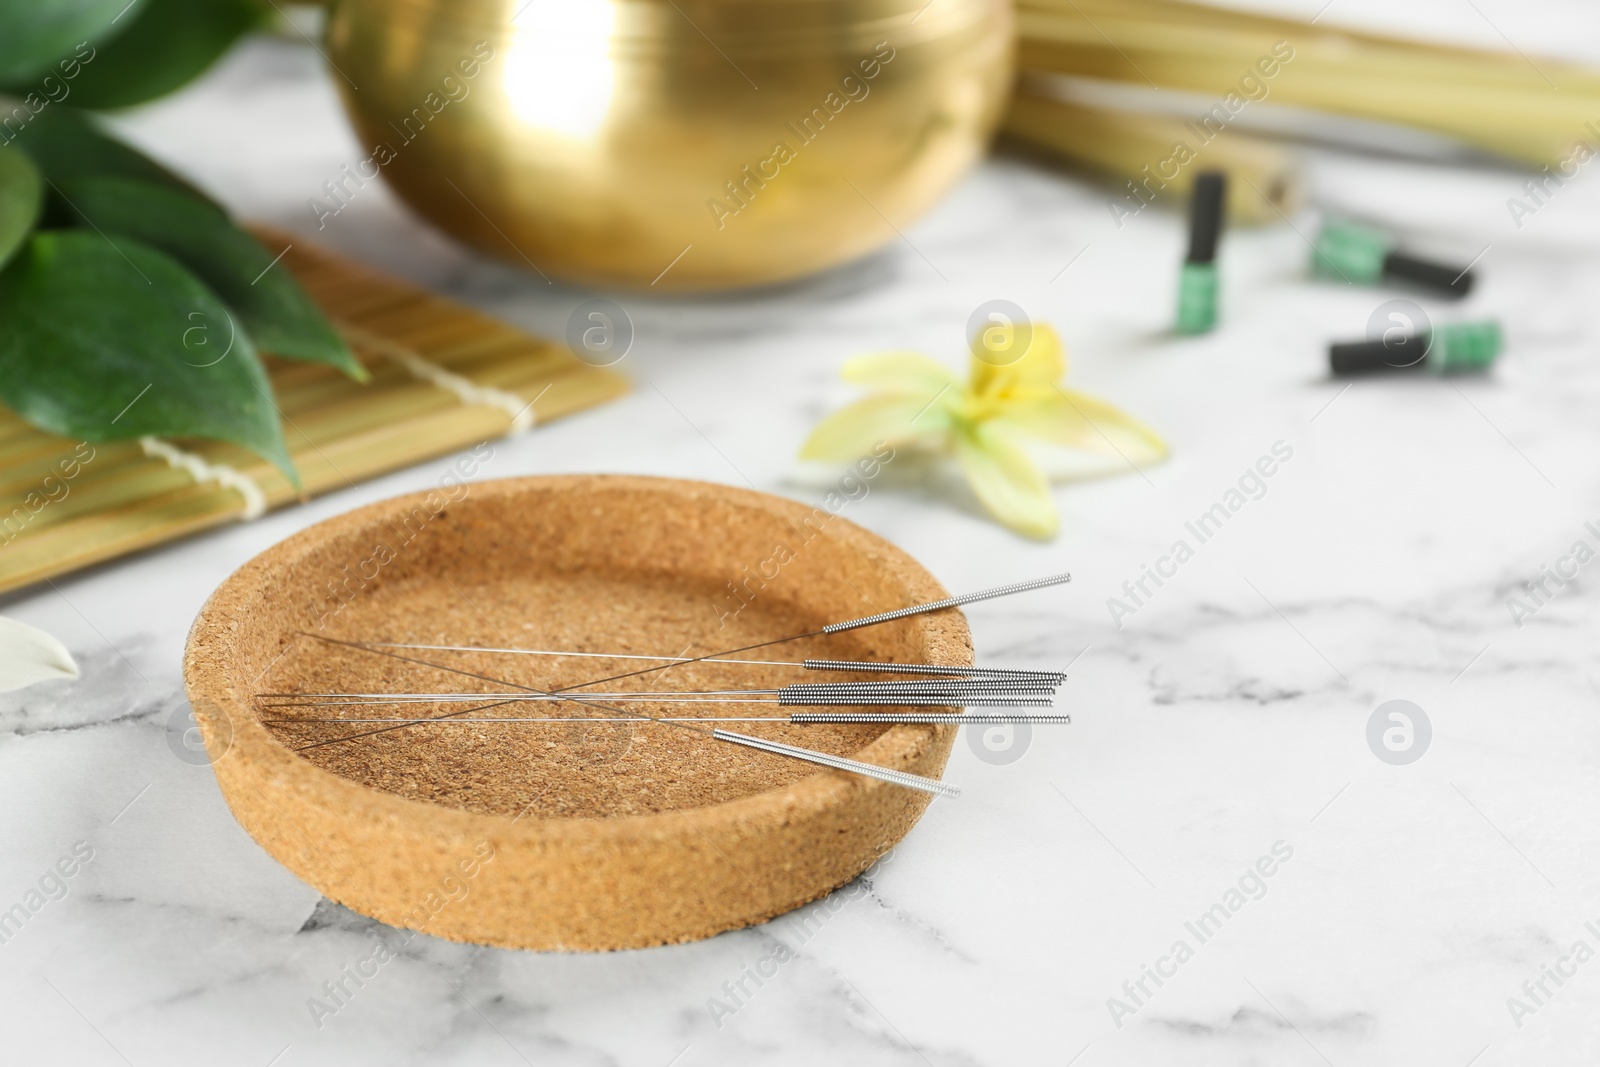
1225	719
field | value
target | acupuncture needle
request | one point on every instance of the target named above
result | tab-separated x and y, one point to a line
834	627
785	695
386	729
838	627
918	692
987	694
1021	697
932	685
924	693
813	718
908	702
778	748
865	666
841	627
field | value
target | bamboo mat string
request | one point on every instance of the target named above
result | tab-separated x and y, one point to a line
203	473
423	369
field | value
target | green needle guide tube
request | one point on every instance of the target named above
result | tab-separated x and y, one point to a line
1197	282
1456	348
1365	255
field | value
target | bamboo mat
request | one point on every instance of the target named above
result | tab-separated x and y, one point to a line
444	378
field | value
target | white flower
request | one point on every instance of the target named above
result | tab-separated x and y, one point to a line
28	655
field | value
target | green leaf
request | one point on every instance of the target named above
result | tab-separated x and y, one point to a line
67	145
21	199
277	313
36	33
107	341
169	43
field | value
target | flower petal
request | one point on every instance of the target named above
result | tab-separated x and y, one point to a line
1067	417
1042	363
1006	480
28	655
899	372
852	432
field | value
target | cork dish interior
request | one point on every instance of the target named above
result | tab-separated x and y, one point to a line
562	836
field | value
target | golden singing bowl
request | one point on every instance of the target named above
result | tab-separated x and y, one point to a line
673	144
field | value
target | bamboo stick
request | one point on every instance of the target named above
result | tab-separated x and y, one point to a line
109	458
109	534
1498	102
138	479
1429	58
1130	147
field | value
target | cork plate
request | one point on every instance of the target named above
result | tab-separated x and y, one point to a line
563	836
